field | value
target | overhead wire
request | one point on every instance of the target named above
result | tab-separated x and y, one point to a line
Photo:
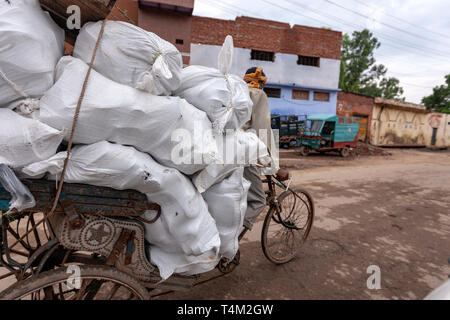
229	8
392	41
380	22
403	20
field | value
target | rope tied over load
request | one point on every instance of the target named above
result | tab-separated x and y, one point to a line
75	121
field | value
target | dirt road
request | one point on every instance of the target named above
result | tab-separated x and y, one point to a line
392	212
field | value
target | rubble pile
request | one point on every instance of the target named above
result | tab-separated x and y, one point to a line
365	149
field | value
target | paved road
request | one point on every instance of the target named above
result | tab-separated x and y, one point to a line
392	212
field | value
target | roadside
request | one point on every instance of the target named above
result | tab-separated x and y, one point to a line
390	211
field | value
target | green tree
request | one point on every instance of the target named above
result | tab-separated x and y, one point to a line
440	99
359	71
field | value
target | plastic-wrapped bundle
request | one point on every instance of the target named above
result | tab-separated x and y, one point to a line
130	55
185	238
24	141
21	197
121	114
239	149
225	98
30	46
227	203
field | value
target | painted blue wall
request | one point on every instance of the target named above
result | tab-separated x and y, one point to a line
287	106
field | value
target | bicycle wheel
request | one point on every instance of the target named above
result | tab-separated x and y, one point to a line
287	226
95	283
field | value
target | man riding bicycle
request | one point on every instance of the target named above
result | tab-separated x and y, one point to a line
261	123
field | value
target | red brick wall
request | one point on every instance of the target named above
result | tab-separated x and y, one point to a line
268	36
350	104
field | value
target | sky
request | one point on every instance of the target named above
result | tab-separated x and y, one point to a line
414	34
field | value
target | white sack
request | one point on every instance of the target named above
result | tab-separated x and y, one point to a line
225	98
177	263
121	114
130	55
239	149
30	46
24	141
184	236
227	203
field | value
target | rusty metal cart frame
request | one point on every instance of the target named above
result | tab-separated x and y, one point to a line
106	242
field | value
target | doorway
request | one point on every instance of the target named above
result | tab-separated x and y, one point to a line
434	136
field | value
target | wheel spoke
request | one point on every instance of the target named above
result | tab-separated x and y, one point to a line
79	295
49	293
113	291
61	292
93	288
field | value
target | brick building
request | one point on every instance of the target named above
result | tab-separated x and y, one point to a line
302	63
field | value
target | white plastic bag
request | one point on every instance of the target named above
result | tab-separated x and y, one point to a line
30	46
121	114
21	197
227	203
24	141
239	149
225	98
185	234
130	55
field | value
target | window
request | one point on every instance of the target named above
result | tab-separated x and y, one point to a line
179	41
289	118
321	96
300	95
328	128
308	61
263	55
273	92
316	125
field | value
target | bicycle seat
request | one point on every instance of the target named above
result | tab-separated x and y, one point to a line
282	175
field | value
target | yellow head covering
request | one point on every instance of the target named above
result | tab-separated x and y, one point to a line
254	79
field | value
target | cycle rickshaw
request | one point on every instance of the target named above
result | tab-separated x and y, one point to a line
98	233
100	230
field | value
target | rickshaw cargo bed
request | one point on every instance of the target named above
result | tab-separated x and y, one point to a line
85	199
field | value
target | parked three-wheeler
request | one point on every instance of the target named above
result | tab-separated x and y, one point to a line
326	133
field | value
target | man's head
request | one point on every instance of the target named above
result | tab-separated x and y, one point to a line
256	78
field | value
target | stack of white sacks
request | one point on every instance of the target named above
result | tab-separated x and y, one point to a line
145	124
